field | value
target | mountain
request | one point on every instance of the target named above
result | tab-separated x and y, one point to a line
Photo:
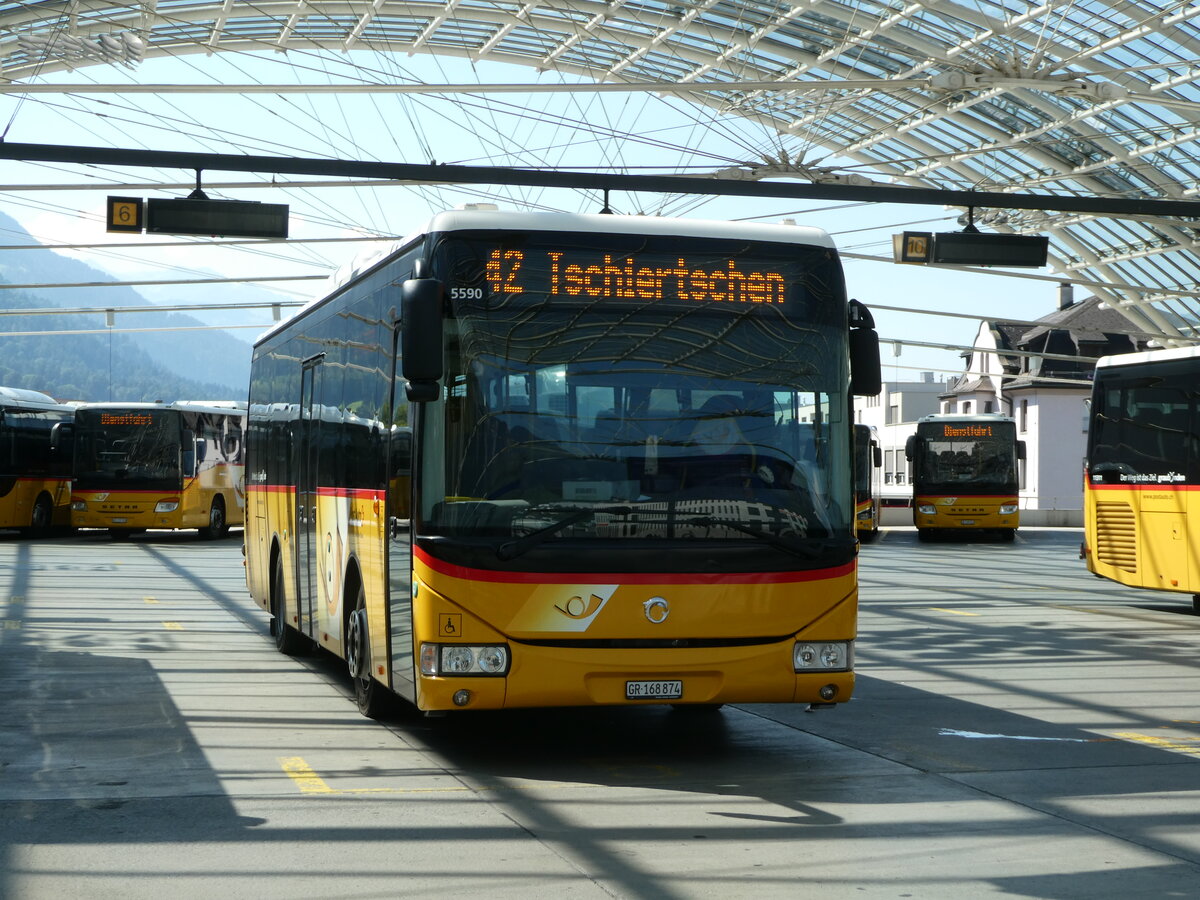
161	365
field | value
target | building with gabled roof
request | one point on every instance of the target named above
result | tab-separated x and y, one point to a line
1040	374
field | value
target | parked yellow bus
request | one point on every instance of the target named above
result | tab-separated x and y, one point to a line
965	474
540	459
868	483
35	461
159	465
1142	480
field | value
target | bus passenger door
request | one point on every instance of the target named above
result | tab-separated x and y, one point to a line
399	531
308	449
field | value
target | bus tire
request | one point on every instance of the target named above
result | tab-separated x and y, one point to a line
1008	535
218	525
41	520
287	639
373	700
869	537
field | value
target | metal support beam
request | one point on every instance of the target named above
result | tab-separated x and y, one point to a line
555	178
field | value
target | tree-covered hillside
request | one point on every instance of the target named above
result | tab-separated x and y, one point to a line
89	366
161	365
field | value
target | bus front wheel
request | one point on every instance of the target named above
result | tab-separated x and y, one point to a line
371	697
218	525
287	638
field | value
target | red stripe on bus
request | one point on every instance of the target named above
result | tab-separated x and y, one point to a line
444	568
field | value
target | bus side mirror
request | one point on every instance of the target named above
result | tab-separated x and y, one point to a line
866	374
876	457
910	447
421	338
201	450
60	435
1020	449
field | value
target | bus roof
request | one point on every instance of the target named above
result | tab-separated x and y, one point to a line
1147	356
27	399
965	417
215	407
500	220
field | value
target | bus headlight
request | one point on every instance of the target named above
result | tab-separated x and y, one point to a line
927	509
1007	509
823	656
166	506
464	659
79	505
866	514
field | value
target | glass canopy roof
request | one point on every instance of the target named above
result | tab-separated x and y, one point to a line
1076	98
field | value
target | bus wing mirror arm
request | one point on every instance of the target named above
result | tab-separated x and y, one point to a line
866	373
421	338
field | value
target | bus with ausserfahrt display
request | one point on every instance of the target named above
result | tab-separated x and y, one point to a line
159	465
544	459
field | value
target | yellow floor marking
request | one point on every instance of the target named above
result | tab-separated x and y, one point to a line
310	782
305	778
955	612
172	626
151	599
1162	743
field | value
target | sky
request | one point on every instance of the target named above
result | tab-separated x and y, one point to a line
637	133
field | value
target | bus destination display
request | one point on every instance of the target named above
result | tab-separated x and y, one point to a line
139	419
626	277
966	431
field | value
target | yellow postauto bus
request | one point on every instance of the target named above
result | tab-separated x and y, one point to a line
35	461
1142	480
159	465
965	475
535	459
868	486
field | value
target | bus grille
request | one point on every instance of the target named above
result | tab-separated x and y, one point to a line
1116	536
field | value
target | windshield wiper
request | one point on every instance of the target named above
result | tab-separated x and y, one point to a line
519	546
811	549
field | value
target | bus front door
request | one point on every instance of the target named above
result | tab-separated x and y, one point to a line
309	448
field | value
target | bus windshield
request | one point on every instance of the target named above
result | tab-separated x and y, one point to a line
126	449
961	457
658	389
1143	425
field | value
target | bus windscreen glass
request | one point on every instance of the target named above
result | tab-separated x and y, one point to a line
974	457
653	389
1143	427
127	449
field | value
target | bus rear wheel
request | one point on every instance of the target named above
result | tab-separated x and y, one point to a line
218	525
42	517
